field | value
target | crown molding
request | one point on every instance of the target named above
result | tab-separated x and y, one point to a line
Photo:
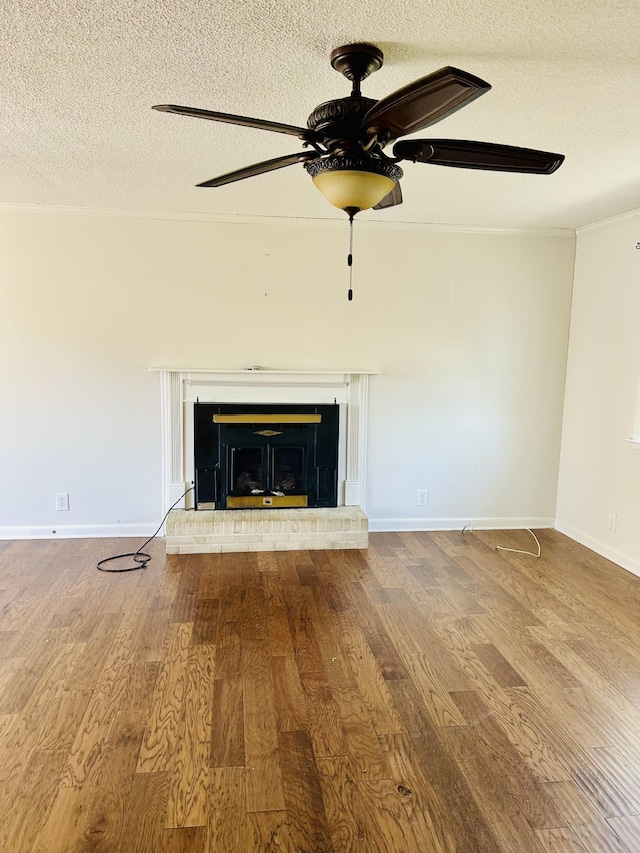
333	222
607	223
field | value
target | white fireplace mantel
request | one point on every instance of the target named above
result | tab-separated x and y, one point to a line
181	388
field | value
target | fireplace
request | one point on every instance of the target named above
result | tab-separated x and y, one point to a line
265	456
267	528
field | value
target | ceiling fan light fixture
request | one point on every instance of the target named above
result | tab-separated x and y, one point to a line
353	183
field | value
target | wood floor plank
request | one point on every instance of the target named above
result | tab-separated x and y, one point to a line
227	724
334	655
303	795
229	828
154	629
93	813
163	725
385	653
413	634
560	840
264	775
385	574
538	752
436	699
291	706
368	678
139	690
144	830
22	733
185	603
437	800
352	824
362	744
280	641
185	840
104	704
499	667
108	791
96	648
615	720
205	622
35	792
271	831
620	773
514	835
584	818
208	577
189	766
60	831
605	795
23	682
628	831
498	775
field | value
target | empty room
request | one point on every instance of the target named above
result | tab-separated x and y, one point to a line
320	420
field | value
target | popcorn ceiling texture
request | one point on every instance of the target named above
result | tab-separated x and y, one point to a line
78	78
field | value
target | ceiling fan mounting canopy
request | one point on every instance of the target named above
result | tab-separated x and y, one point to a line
345	138
356	61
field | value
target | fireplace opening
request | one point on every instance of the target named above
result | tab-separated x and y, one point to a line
265	456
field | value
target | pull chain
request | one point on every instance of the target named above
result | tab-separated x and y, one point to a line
350	258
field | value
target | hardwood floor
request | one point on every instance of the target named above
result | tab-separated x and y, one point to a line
431	694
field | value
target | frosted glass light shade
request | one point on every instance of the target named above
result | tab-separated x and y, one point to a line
351	189
353	182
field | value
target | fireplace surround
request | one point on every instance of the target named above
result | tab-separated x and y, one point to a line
341	526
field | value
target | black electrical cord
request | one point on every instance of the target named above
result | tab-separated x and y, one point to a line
140	563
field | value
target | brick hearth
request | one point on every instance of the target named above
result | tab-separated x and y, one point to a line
215	531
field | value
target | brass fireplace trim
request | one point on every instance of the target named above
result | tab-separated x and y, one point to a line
268	419
265	501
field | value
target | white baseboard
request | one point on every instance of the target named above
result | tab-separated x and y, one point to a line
599	547
396	525
78	531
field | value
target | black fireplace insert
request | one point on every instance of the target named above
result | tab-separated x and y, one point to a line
256	456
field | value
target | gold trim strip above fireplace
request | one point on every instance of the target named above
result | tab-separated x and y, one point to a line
268	419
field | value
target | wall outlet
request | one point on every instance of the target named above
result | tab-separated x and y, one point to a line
613	520
62	501
423	497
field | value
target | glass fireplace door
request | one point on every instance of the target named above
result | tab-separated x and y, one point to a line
247	470
288	470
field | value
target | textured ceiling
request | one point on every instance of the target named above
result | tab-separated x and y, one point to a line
78	78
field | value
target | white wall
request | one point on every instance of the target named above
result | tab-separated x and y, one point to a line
468	329
599	471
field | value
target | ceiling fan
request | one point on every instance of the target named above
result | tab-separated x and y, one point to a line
346	138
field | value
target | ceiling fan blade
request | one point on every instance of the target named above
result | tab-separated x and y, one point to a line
423	102
260	168
391	200
245	121
478	155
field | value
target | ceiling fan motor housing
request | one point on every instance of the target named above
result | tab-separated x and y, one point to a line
339	122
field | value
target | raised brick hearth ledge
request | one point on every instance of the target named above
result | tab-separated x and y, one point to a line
215	531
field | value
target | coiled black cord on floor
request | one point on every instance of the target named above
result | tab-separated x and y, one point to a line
140	557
